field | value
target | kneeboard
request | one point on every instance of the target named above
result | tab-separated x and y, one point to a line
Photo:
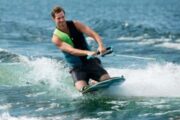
104	84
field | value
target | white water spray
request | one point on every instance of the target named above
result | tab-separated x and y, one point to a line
156	80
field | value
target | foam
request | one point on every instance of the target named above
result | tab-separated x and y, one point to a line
154	80
157	42
5	107
7	116
51	73
2	50
175	46
138	38
161	80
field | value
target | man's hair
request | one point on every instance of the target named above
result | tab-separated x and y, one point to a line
56	9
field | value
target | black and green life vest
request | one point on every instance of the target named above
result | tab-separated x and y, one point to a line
77	40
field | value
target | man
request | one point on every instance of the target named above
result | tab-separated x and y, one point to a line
68	37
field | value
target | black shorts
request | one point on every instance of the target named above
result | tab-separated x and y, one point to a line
90	70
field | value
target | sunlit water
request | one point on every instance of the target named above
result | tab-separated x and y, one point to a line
35	83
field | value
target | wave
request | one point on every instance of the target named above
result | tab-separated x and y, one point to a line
156	42
7	116
155	80
23	32
9	57
175	46
39	71
114	29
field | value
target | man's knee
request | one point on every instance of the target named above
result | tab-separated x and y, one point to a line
104	77
80	84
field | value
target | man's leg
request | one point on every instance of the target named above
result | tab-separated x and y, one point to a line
96	71
99	74
104	77
80	84
80	78
92	82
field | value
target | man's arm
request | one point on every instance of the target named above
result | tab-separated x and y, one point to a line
69	49
87	30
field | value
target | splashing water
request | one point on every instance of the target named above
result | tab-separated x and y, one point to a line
155	80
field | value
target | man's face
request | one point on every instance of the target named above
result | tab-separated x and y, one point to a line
60	18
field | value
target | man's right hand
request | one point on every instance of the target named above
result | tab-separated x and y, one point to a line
91	53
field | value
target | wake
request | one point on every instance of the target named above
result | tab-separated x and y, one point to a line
155	80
